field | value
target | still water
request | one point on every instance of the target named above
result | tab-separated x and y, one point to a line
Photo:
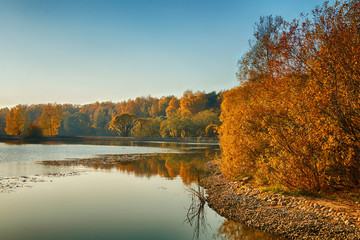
145	199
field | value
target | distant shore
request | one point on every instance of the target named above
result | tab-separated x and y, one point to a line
7	138
285	216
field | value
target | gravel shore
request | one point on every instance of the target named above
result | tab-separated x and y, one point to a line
285	216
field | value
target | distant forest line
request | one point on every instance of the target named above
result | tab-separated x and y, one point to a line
195	114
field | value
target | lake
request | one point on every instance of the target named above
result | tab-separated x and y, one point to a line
152	198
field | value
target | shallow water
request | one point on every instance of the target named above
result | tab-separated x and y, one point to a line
146	199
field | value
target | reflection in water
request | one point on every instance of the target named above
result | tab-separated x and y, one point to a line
190	166
236	231
196	213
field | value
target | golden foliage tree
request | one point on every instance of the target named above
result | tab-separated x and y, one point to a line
192	103
174	105
295	119
15	121
50	119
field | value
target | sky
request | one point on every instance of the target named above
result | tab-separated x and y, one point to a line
83	51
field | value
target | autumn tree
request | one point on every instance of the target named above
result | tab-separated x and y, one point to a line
123	123
32	114
154	110
295	118
163	105
192	103
50	119
15	121
174	105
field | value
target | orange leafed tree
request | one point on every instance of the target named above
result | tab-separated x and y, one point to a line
15	121
174	105
192	103
50	119
295	119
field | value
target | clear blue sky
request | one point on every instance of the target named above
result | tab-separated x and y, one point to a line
82	51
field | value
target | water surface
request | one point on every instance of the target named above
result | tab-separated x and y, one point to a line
146	199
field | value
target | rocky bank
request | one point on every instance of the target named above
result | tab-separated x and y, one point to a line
286	216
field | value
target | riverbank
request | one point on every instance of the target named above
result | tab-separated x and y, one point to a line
81	139
286	216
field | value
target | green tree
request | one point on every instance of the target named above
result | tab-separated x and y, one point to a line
33	131
204	119
211	131
147	127
77	124
123	123
178	127
3	113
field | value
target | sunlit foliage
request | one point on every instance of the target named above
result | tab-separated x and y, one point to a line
15	121
50	119
94	119
173	108
192	103
295	119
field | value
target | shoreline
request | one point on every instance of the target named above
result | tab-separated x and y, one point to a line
76	139
285	216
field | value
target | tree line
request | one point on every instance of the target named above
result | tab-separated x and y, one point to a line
195	114
295	118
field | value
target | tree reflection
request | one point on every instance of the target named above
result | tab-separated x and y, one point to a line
237	231
189	166
195	216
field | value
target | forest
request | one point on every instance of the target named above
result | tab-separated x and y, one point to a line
294	120
192	115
